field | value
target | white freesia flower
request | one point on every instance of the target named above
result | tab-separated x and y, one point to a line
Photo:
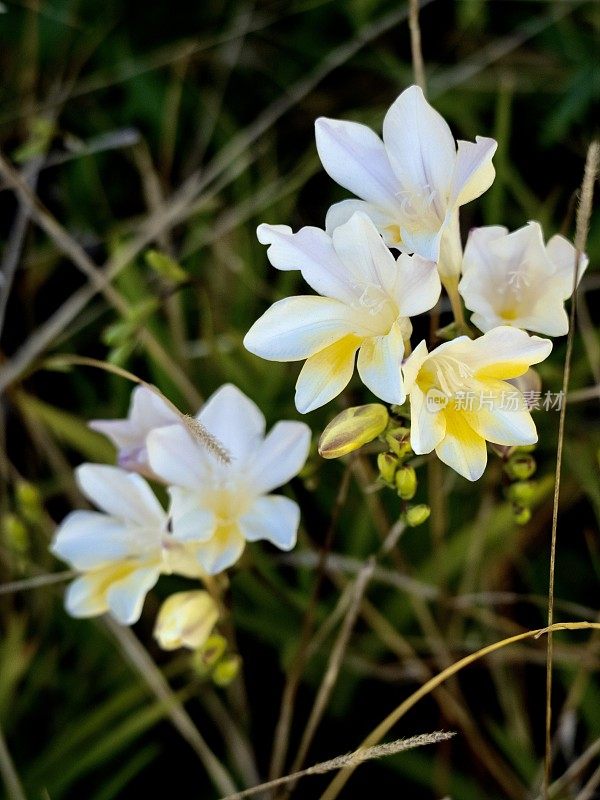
514	279
412	183
460	397
147	411
119	549
367	297
216	507
186	619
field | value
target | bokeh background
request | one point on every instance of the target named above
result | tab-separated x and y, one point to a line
179	127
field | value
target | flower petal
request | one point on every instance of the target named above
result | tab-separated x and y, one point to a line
562	254
506	352
413	364
379	365
385	219
86	595
420	147
147	410
503	417
89	539
274	518
362	251
235	420
326	374
427	423
120	493
462	448
354	156
176	457
279	457
478	256
190	520
222	550
298	327
474	172
417	287
126	597
311	251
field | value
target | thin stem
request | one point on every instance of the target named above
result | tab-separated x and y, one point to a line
583	219
415	44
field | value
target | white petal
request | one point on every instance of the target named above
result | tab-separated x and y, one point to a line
362	251
280	457
462	448
354	156
385	219
89	539
297	327
508	422
506	352
274	518
120	494
222	551
379	365
427	425
417	286
191	521
562	254
234	419
126	597
421	148
176	457
413	364
85	596
474	172
326	374
478	256
147	410
311	251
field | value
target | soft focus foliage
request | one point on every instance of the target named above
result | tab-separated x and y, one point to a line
167	133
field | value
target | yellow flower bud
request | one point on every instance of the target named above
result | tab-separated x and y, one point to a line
226	670
522	492
211	651
186	619
398	440
417	515
406	482
15	534
521	514
387	465
351	429
520	466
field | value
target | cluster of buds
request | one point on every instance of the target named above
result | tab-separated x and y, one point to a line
395	472
520	467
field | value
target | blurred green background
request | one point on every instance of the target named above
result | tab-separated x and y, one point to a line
179	127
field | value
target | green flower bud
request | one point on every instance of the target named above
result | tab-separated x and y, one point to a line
417	515
15	534
210	652
520	466
387	465
521	514
406	482
28	499
522	492
352	429
226	670
398	440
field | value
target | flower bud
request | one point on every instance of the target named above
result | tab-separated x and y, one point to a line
186	620
522	492
417	515
28	501
398	440
387	464
209	653
352	429
15	534
226	670
406	482
520	466
521	514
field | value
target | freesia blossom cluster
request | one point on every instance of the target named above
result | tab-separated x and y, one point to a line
218	502
385	257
